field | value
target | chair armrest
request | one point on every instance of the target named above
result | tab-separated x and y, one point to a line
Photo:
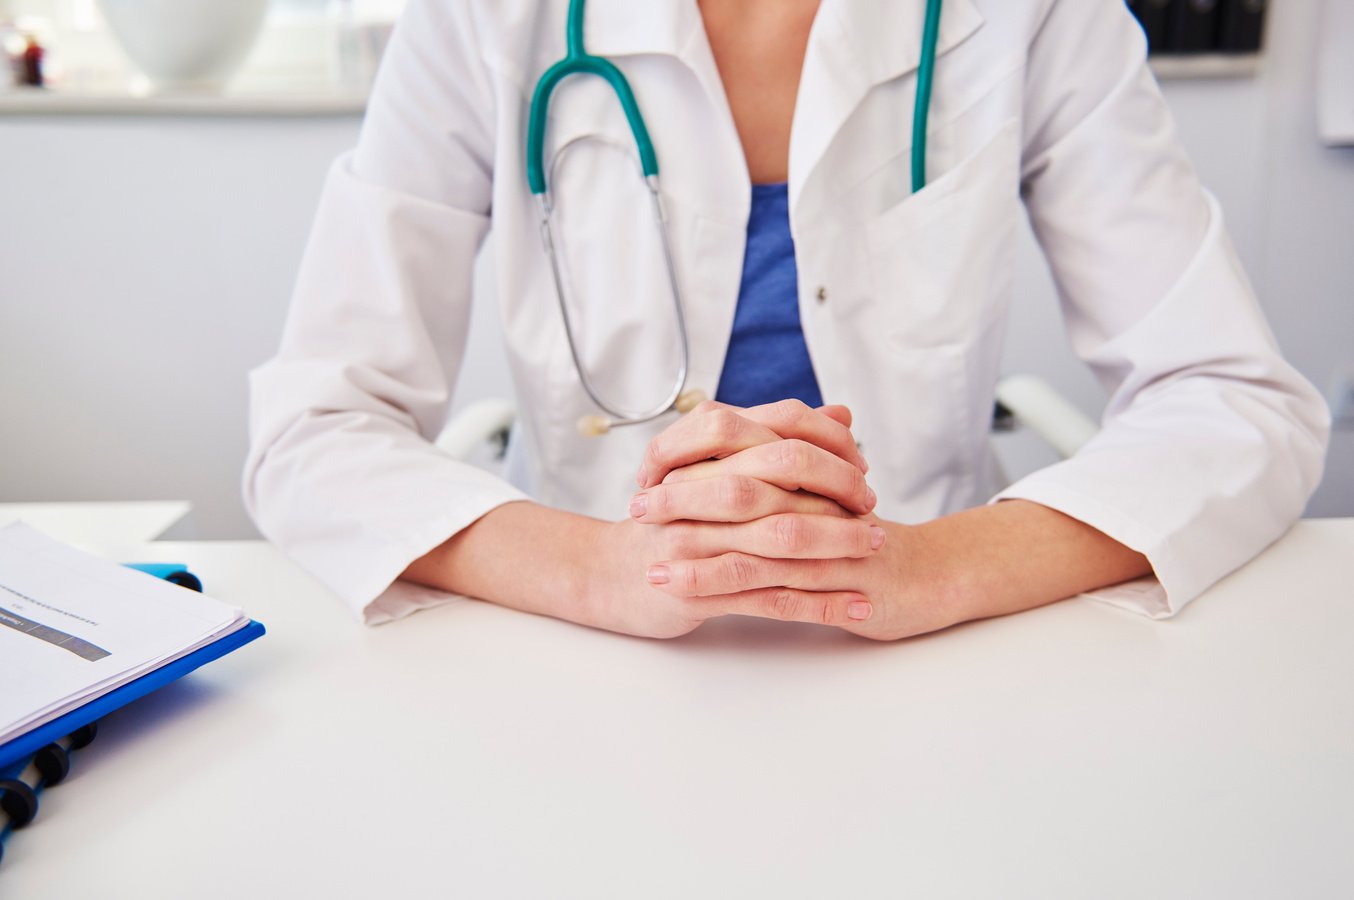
1046	413
478	423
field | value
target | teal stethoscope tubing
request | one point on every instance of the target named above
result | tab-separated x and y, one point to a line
926	70
578	61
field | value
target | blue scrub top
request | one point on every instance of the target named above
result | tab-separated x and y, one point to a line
767	358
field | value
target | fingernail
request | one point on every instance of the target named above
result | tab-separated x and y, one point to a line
639	505
639	476
657	575
859	610
865	465
870	498
876	537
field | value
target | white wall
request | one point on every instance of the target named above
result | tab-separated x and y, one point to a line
1289	202
145	265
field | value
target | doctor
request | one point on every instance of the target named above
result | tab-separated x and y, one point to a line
838	314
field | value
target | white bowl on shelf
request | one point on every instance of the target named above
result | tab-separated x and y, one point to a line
186	44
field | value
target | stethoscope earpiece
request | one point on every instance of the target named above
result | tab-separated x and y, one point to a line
594	426
689	400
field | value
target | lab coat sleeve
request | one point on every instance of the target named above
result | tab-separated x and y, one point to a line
1211	443
341	472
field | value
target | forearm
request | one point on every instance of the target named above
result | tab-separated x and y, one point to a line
521	555
1000	559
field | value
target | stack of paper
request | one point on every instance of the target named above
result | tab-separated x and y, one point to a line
74	627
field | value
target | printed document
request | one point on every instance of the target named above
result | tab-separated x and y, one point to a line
74	626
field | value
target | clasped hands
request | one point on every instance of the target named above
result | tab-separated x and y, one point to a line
762	511
766	512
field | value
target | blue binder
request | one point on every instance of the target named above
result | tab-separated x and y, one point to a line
25	745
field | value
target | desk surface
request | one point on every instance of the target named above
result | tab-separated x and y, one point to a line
1073	751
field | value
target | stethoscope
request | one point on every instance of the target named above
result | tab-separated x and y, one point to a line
579	61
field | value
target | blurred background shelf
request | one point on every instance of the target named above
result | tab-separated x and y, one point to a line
1205	65
43	102
303	58
334	102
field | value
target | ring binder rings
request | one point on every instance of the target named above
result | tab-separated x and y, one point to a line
175	573
51	764
40	757
18	801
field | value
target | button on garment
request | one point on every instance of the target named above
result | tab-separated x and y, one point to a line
767	359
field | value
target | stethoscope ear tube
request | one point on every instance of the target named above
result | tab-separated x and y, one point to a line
616	416
921	109
578	61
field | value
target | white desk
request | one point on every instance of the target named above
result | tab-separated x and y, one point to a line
1075	751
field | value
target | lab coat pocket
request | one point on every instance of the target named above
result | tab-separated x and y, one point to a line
940	260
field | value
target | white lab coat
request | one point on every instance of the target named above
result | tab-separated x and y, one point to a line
1211	443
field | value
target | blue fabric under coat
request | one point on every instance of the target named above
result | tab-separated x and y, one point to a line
767	358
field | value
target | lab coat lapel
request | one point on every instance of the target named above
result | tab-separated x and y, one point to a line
619	28
854	46
624	27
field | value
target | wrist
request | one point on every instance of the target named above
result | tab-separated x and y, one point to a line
581	574
1008	557
928	586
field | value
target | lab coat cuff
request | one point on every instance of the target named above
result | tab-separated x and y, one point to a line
1155	596
385	597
